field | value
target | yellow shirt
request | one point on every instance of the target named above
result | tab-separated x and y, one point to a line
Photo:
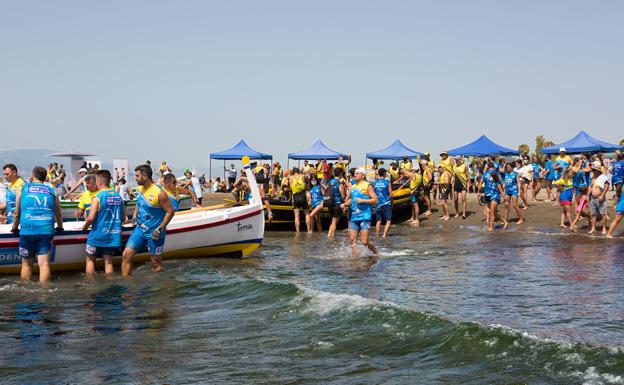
297	185
460	172
150	195
416	181
427	176
431	163
447	164
84	203
394	174
343	166
445	178
16	186
319	171
406	165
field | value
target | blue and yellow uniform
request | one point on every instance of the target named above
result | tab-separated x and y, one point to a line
105	235
563	161
361	213
37	206
416	184
383	211
84	203
566	186
619	208
316	196
511	184
174	198
150	216
11	198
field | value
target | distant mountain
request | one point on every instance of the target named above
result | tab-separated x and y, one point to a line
27	158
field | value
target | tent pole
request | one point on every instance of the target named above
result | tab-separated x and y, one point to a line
223	169
210	175
288	164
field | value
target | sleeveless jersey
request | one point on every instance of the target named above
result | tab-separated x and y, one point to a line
297	184
618	171
150	212
37	209
336	184
460	175
316	196
381	189
174	198
415	182
361	211
511	183
106	229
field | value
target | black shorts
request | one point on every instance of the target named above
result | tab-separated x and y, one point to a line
459	185
231	180
335	211
300	200
99	252
384	213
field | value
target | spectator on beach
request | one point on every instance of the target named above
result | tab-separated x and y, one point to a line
231	176
597	197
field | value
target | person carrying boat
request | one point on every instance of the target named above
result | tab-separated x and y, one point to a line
15	186
300	199
395	173
173	191
334	196
262	178
152	214
37	209
383	209
91	190
406	164
316	194
416	186
461	185
105	218
361	198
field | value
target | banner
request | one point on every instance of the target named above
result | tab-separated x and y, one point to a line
120	169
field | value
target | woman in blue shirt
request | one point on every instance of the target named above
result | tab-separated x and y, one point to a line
549	174
512	181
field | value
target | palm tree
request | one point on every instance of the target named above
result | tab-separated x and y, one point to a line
524	149
541	142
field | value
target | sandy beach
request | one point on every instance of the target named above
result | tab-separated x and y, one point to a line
540	213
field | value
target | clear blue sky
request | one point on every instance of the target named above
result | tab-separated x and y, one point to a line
177	80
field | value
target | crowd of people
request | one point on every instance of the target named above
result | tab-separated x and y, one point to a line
32	208
579	184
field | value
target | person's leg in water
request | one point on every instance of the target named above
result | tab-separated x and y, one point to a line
492	214
297	219
366	241
616	220
306	214
352	239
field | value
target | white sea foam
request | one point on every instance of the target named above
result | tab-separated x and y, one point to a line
592	377
323	302
24	288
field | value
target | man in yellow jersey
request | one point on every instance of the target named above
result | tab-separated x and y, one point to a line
428	181
444	188
342	164
446	162
395	173
415	183
300	199
461	185
84	202
430	162
319	170
406	164
152	214
15	187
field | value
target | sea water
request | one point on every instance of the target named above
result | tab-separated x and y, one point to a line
436	305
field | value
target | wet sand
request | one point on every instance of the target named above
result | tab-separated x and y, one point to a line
540	213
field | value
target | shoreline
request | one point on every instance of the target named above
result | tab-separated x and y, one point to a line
541	213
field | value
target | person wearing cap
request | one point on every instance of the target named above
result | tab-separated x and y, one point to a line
566	191
80	183
416	186
334	196
361	199
461	185
427	170
395	172
444	189
430	162
597	197
561	162
446	162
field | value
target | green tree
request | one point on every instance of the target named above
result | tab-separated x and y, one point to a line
622	142
524	149
541	142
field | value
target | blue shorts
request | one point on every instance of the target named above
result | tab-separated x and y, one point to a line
359	225
141	242
511	194
99	252
32	245
384	213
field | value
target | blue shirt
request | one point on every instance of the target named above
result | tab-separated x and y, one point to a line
37	209
536	171
550	169
150	213
381	189
618	171
316	196
336	184
511	183
360	211
106	228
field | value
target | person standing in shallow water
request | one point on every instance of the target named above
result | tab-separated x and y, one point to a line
361	198
383	210
37	208
152	214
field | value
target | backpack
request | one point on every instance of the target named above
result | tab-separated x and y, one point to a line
328	197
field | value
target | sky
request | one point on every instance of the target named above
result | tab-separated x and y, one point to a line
177	80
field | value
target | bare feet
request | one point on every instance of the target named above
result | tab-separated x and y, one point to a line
506	225
591	231
520	221
609	236
427	213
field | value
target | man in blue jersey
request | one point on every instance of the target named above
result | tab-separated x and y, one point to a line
335	197
383	211
15	186
361	199
152	214
37	208
106	217
617	170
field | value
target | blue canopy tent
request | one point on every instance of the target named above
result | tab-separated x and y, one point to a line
483	146
396	150
582	142
237	152
316	151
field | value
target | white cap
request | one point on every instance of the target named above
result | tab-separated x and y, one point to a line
562	149
596	165
360	170
83	170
